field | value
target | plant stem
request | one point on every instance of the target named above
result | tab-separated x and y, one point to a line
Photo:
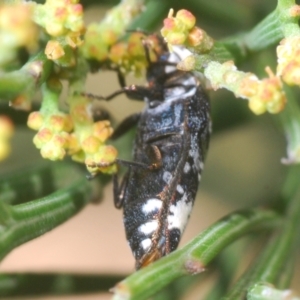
15	188
273	28
154	12
226	264
287	274
213	11
195	256
24	81
262	291
273	259
39	284
290	122
23	222
266	33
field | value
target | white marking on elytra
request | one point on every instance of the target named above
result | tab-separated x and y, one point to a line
180	92
179	214
167	177
180	189
177	113
188	80
187	167
151	205
176	56
194	154
148	227
146	243
169	69
133	252
181	51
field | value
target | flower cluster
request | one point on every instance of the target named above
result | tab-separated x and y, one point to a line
288	55
288	68
16	30
63	21
53	126
59	24
181	30
75	134
88	140
53	133
130	56
99	157
263	95
6	132
60	17
56	138
99	37
268	96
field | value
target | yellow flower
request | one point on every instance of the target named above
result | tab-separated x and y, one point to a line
288	58
263	95
104	160
176	29
181	30
54	50
60	17
6	132
269	96
16	26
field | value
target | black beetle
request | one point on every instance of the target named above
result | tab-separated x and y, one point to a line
158	191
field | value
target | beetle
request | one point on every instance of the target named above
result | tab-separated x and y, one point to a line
158	191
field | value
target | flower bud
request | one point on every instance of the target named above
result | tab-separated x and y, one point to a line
54	50
102	130
90	145
42	137
35	120
187	18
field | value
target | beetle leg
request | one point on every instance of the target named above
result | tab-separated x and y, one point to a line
134	92
121	78
119	190
186	87
102	165
157	159
107	98
147	51
132	164
91	176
